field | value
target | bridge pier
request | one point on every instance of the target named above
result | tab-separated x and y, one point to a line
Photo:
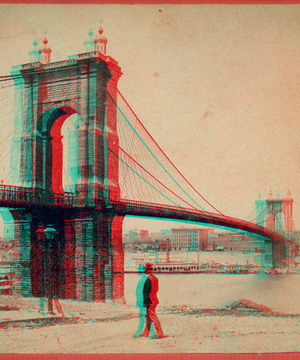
266	255
94	258
273	255
279	254
290	254
117	259
21	253
87	261
83	258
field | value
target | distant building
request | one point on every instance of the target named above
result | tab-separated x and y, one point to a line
156	236
192	239
136	237
161	236
231	241
212	242
143	236
133	236
162	245
185	239
166	234
294	236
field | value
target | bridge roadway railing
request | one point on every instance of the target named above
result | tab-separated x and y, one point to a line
23	196
11	196
168	211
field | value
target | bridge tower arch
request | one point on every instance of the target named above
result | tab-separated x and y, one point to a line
49	93
90	233
274	209
275	214
49	149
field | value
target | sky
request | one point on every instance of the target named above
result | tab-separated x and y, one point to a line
217	86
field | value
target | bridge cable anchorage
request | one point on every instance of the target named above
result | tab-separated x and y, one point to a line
151	152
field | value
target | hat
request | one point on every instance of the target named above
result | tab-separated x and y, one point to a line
148	267
141	268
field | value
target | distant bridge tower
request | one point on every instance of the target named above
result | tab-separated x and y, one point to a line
269	212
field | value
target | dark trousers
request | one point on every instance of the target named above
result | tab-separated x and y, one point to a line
151	317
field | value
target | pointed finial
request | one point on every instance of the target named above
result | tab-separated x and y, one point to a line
259	195
270	194
277	195
35	53
101	42
45	52
288	194
89	44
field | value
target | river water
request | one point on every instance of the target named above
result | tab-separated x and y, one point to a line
281	292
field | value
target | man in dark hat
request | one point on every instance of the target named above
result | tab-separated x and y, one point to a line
140	300
150	302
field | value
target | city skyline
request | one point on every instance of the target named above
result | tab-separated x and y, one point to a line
216	86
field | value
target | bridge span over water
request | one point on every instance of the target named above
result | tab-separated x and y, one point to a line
85	180
12	196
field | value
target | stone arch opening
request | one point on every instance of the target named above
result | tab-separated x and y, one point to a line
276	217
49	149
269	221
7	233
69	132
7	249
273	220
278	221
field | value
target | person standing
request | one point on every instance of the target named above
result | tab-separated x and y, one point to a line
140	300
150	302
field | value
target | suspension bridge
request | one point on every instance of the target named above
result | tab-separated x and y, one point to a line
81	160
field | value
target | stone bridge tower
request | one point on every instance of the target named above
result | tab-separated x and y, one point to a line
89	254
274	208
269	214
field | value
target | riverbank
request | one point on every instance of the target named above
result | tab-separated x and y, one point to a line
97	328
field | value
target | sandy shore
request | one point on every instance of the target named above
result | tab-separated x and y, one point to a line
102	328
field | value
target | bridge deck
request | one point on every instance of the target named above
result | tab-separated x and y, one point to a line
11	196
15	196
